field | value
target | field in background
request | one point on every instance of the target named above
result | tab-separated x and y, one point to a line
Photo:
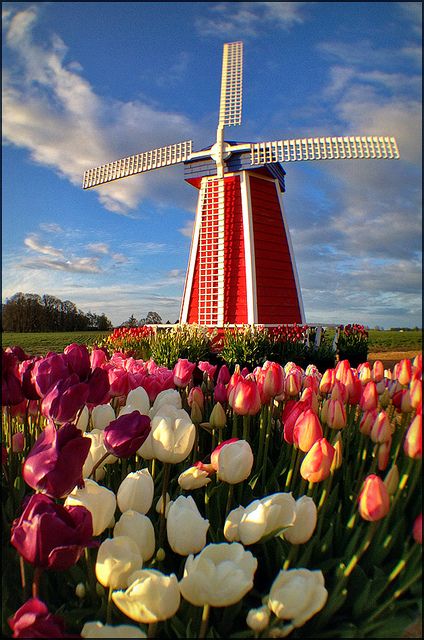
380	342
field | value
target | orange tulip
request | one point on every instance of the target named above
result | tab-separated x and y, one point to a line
336	415
413	443
316	465
374	499
307	430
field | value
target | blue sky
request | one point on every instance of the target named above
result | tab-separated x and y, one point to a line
86	83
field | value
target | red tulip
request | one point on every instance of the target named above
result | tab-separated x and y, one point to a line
33	620
413	443
51	536
270	381
54	464
183	370
367	421
307	430
126	434
245	398
316	465
291	412
417	529
65	399
374	499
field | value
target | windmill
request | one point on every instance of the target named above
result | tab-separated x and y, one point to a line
241	268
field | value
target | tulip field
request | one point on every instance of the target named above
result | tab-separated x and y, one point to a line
211	487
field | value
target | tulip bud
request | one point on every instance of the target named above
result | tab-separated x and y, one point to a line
374	499
193	478
196	413
336	416
196	395
367	421
293	383
377	371
258	619
338	453
369	398
327	381
80	590
365	375
416	393
392	480
403	371
218	417
18	442
383	454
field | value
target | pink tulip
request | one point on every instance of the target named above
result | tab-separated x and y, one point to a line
270	381
51	536
245	398
208	368
25	373
291	412
98	357
54	464
374	499
183	370
220	393
224	375
307	430
316	465
196	395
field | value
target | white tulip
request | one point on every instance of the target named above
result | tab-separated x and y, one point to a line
139	528
260	519
297	595
235	461
167	397
96	452
139	399
173	435
83	418
99	630
136	492
150	597
117	559
193	478
185	527
102	415
220	575
305	522
101	503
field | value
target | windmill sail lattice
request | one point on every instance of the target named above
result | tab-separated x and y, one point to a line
241	266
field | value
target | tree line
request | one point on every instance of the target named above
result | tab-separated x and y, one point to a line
30	312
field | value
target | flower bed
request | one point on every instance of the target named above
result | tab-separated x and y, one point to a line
141	500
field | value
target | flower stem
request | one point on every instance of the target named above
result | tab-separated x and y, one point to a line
97	465
109	606
165	482
36	582
151	630
291	467
229	499
205	620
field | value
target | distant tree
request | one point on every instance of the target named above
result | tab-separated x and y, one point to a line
131	322
152	318
29	312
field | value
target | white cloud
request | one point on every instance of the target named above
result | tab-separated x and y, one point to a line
99	247
34	243
78	265
187	229
249	18
54	113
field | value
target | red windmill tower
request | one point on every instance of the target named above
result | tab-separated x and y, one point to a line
241	267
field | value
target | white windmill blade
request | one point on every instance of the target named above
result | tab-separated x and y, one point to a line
231	85
343	148
146	161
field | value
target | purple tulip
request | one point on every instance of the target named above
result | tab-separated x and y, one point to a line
18	352
25	372
33	620
98	386
65	399
49	370
51	536
54	464
78	360
11	388
126	434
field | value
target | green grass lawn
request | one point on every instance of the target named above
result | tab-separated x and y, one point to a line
41	343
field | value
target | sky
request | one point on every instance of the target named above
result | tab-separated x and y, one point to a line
85	83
